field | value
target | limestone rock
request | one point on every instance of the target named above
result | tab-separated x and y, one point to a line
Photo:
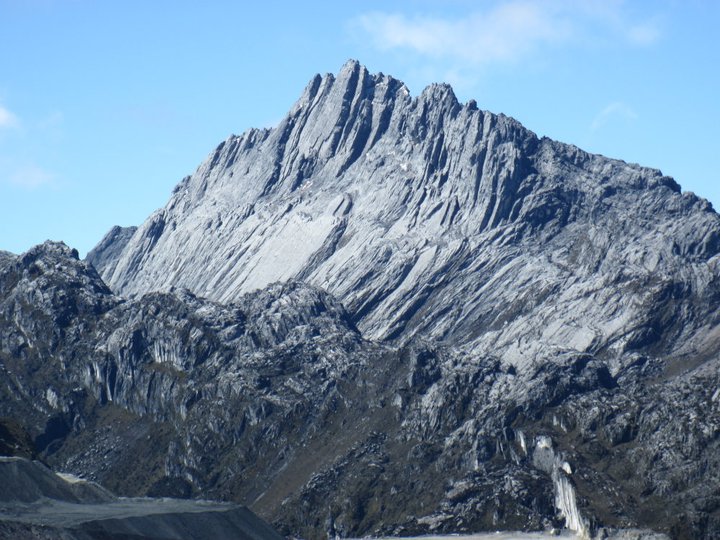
104	256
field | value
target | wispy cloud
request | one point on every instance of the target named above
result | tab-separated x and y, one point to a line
504	33
617	109
8	119
508	31
32	177
23	141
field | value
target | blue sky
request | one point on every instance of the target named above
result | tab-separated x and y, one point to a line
105	106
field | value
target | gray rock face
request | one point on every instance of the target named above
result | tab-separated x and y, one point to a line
277	402
425	216
388	315
105	255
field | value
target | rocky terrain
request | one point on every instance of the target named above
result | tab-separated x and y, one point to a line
389	315
36	503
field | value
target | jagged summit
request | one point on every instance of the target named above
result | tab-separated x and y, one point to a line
422	216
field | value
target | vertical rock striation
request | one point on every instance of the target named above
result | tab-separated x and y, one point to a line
429	217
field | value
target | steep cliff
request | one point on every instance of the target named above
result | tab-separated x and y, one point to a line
105	255
277	402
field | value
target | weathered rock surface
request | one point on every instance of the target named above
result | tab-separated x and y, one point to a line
426	216
105	255
277	402
388	315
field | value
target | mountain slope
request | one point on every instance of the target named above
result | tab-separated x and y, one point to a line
278	403
426	216
105	255
388	315
433	219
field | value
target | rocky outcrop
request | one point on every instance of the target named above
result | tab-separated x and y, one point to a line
278	402
425	216
14	440
105	255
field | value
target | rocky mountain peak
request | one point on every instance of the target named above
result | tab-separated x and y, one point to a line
399	206
49	249
104	255
382	288
439	95
52	263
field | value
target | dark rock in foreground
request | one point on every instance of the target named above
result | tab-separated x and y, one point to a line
36	503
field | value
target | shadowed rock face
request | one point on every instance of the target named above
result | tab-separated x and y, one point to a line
105	255
388	315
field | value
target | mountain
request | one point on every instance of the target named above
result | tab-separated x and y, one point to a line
278	402
388	315
425	216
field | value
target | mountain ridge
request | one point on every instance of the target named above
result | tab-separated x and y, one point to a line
326	191
389	315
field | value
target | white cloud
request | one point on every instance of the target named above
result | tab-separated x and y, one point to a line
504	33
32	177
8	119
617	109
508	31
